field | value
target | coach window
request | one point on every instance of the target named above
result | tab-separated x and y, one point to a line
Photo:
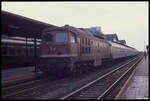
72	38
61	37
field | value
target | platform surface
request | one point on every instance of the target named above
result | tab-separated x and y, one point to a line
137	87
12	73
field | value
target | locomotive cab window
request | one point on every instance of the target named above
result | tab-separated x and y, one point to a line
72	38
61	37
47	37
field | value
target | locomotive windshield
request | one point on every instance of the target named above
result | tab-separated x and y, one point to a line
61	37
47	37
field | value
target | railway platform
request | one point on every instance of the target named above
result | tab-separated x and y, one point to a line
10	74
136	86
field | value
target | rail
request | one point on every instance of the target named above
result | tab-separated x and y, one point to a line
87	86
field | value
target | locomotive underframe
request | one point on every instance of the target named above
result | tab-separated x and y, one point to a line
56	64
67	65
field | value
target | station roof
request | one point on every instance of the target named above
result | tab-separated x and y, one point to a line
16	25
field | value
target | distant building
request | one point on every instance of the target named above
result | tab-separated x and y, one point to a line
122	41
111	37
114	38
96	31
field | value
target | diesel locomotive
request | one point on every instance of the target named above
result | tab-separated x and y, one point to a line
70	50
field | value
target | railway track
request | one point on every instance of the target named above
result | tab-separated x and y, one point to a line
101	87
33	88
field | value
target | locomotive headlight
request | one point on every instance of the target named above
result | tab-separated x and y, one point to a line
52	48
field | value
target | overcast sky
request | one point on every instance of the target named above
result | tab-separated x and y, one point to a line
128	19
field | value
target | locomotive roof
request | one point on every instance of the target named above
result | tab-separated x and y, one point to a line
78	31
70	28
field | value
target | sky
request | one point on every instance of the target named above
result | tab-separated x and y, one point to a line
129	20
